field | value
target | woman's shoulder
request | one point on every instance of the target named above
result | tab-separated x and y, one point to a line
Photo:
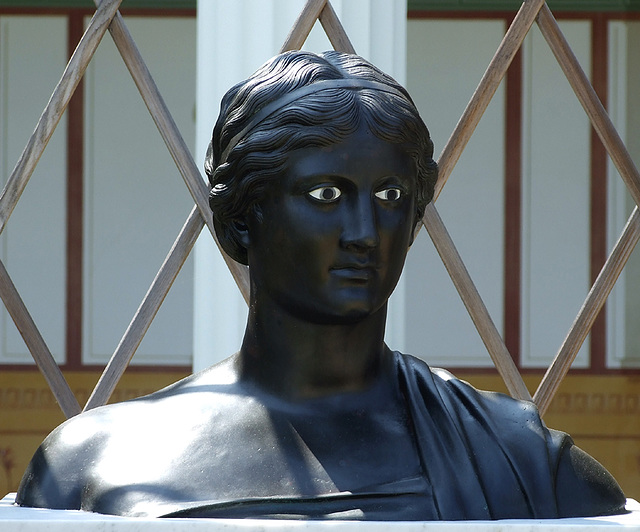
580	485
458	394
53	478
70	455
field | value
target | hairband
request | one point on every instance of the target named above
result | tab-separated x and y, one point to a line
269	109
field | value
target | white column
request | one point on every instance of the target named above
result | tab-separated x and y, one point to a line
234	38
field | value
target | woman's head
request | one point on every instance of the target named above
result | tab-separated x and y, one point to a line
290	103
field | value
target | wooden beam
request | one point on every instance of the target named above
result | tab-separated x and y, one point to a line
487	87
17	182
590	102
450	155
474	304
147	310
627	169
36	345
303	25
173	139
56	106
335	31
588	313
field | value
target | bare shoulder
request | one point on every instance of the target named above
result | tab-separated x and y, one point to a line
72	455
54	476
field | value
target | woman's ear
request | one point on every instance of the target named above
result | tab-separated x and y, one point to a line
241	232
234	239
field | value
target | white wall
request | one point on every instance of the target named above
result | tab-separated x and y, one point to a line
443	72
32	57
623	306
632	273
555	200
135	199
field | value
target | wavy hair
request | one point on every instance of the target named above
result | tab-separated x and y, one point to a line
240	169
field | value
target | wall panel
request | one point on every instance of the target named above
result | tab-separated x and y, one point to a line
555	203
438	327
33	54
135	199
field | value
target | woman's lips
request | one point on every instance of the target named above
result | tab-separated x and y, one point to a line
354	272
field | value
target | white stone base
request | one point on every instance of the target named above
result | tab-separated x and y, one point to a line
16	519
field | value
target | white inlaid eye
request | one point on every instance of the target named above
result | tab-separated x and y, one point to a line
389	194
326	194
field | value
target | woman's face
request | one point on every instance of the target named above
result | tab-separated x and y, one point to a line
335	229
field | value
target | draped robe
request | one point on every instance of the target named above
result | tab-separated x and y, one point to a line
483	455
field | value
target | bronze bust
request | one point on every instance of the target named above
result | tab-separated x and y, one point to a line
320	167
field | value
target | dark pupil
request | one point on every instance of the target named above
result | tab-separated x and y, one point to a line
392	194
327	193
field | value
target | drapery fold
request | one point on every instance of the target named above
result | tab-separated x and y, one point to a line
486	455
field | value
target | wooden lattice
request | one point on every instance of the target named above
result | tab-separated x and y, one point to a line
108	17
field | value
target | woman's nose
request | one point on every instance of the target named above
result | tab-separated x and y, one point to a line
360	227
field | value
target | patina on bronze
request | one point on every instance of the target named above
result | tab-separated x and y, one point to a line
320	167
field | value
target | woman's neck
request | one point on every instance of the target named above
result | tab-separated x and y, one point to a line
295	359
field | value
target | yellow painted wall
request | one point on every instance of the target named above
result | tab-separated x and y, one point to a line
602	413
